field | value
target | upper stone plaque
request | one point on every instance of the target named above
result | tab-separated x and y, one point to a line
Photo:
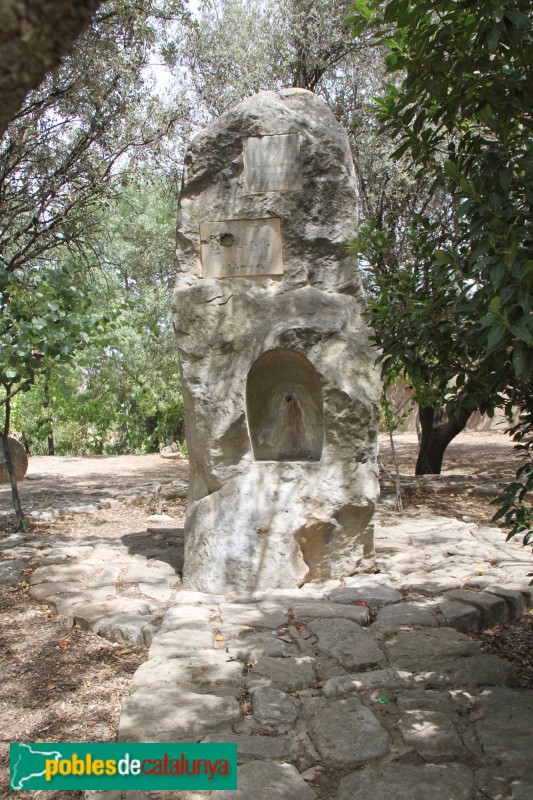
272	164
240	248
277	155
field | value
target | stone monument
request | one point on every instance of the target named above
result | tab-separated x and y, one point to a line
279	384
19	459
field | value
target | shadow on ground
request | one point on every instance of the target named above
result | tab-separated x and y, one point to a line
164	546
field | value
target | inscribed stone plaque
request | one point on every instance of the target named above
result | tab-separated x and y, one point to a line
272	163
241	248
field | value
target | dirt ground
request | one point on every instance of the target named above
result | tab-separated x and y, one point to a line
60	684
485	456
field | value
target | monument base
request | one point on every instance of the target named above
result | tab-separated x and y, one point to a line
280	525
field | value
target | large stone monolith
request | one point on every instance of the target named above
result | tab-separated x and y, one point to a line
19	459
280	389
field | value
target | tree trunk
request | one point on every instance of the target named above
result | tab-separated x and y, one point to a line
435	439
35	35
11	472
50	437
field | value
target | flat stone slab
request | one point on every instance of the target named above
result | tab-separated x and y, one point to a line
461	616
516	601
274	707
368	580
351	645
257	645
404	782
175	490
171	715
184	617
410	615
408	650
391	680
62	603
287	674
285	597
177	643
254	747
159	590
13	540
430	733
505	728
124	628
326	610
104	576
372	595
204	671
522	790
58	573
480	670
430	584
425	700
152	571
260	615
11	571
187	597
86	615
270	781
42	591
346	733
493	609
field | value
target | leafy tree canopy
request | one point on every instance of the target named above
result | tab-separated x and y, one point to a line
462	113
63	162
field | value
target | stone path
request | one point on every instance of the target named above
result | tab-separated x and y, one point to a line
365	686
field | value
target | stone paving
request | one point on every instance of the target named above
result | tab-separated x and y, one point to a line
366	686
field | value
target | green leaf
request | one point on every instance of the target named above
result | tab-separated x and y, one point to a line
506	178
520	360
497	273
497	334
518	18
444	257
493	37
521	330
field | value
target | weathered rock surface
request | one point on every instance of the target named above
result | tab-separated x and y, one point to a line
344	640
287	674
436	696
405	615
205	671
403	782
273	707
430	733
254	747
173	715
408	650
124	628
264	781
390	679
377	595
256	645
363	737
11	571
504	729
280	389
316	608
19	460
